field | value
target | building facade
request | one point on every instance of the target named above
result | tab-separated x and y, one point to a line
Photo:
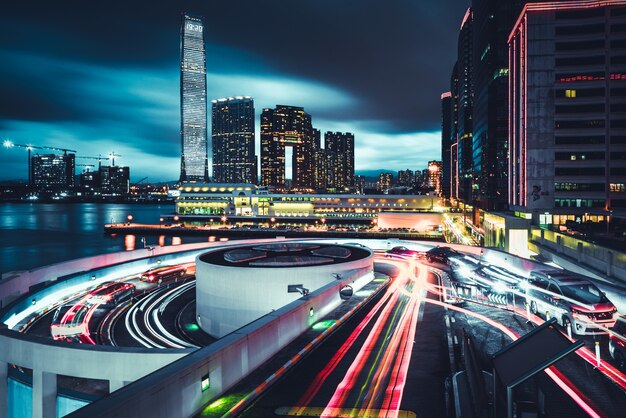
114	180
446	143
247	200
434	176
454	131
385	182
567	118
493	20
193	103
232	140
283	127
339	147
465	132
53	172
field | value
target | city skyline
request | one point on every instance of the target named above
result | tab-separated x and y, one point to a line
110	83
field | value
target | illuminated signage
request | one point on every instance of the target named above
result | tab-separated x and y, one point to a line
193	27
204	384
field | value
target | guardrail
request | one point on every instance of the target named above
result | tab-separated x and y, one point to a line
208	372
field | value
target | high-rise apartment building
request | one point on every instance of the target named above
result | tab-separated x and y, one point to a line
193	103
339	149
567	116
434	176
232	137
281	128
385	181
53	172
406	178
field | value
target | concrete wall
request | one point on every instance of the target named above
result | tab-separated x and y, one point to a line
229	297
15	284
226	362
609	262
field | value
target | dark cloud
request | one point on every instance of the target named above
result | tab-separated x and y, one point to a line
82	62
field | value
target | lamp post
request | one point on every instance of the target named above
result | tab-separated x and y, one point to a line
130	218
161	222
224	219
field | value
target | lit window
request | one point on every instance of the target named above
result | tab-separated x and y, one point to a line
571	94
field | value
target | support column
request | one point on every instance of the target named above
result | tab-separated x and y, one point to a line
116	384
4	389
44	394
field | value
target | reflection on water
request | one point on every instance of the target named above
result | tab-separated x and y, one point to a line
34	235
129	242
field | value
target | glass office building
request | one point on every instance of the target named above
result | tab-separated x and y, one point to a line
193	104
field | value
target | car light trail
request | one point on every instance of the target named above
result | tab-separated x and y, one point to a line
585	353
245	400
393	331
569	388
321	377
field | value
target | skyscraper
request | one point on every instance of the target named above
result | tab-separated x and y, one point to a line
493	21
465	107
340	153
282	127
567	111
193	105
232	134
454	133
446	142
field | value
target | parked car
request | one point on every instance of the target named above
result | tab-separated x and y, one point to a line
403	251
571	299
617	343
441	254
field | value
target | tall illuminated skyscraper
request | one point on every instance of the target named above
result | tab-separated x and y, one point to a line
283	127
193	104
232	137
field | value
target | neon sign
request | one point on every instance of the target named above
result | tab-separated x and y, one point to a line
193	27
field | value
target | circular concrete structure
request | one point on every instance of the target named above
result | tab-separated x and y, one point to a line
237	285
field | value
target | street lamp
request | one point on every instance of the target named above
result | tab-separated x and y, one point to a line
130	218
161	222
224	219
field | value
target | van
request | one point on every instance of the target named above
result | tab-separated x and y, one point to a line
573	300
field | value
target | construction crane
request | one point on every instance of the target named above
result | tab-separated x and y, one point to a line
112	156
137	183
85	165
99	158
11	144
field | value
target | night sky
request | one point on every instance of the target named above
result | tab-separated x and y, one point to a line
104	76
